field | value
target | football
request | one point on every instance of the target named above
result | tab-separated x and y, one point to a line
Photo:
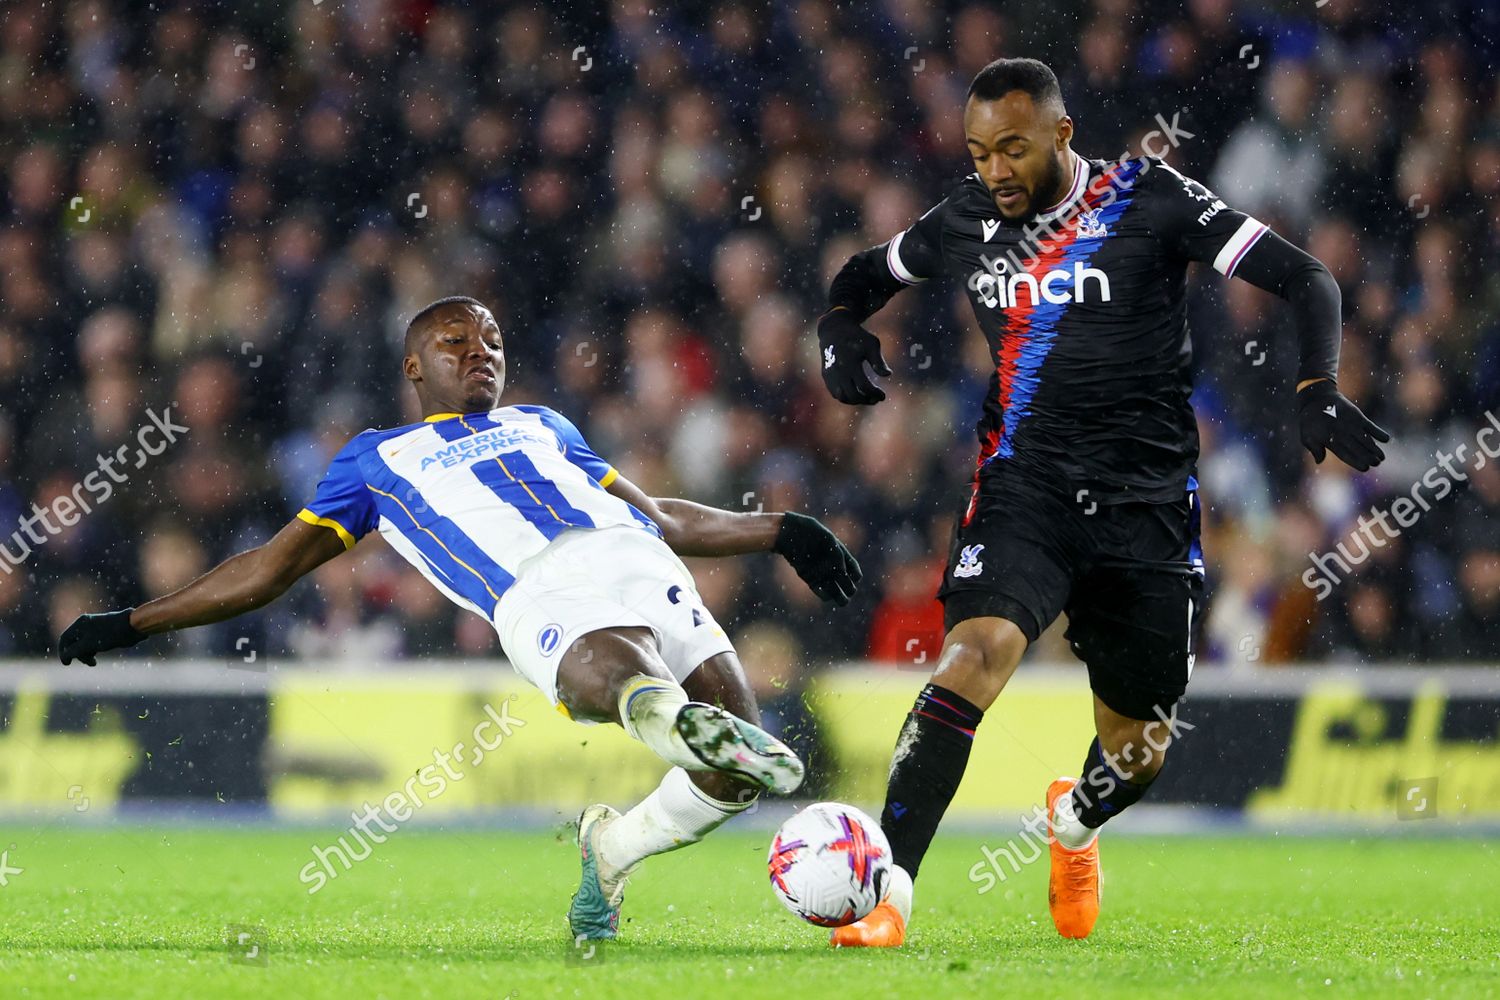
829	864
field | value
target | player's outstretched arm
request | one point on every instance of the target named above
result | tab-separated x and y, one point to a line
1327	419
239	584
1197	224
692	529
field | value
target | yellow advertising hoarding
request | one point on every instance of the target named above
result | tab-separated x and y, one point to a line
459	741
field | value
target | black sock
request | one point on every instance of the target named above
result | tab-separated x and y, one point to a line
929	762
1103	792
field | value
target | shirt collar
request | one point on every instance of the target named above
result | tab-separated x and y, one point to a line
1075	191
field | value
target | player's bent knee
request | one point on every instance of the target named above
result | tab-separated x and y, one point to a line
979	656
598	665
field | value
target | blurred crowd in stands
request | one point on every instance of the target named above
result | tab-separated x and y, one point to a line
230	210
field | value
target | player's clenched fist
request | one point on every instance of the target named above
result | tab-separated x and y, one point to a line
90	635
1330	422
818	556
845	348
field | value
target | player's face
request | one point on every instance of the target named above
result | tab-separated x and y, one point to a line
1019	150
462	360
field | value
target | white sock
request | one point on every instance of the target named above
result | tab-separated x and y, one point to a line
1068	828
648	711
676	814
900	892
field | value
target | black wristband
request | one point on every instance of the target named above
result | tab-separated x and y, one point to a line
788	529
118	630
1314	392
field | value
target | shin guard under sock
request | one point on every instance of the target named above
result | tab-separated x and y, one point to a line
931	754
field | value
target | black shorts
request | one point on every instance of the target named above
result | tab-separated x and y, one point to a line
1128	575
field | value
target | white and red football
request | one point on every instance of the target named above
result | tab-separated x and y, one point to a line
830	864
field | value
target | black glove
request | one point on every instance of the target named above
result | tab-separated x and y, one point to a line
90	635
818	557
845	349
1329	421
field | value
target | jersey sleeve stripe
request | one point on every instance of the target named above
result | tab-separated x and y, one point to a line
893	261
610	476
327	522
1238	245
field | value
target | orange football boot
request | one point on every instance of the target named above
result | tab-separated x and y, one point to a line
883	928
1073	889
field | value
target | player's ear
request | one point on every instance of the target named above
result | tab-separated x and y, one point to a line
1064	131
411	367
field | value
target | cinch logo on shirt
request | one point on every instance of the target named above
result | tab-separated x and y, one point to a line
1057	287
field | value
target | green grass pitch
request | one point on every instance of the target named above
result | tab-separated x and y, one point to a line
143	911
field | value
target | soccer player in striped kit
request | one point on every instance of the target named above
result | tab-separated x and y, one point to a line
509	512
1083	497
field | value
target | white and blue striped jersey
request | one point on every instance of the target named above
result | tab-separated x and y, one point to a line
466	498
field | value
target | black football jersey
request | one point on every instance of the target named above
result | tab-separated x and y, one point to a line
1083	308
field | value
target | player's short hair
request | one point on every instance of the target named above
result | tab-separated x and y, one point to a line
414	325
1030	76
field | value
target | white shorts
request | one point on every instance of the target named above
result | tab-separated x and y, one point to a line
588	579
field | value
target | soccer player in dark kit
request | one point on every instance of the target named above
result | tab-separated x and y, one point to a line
1083	498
